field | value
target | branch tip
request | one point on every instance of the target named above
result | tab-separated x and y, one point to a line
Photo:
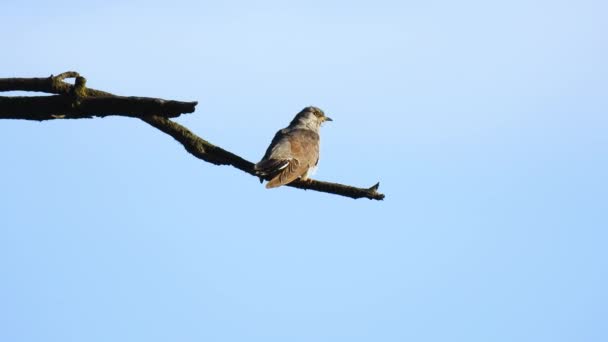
374	187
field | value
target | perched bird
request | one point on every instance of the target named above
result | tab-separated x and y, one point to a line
294	151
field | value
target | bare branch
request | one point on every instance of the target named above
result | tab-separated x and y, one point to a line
77	102
64	107
51	85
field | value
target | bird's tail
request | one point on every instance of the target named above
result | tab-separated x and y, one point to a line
269	168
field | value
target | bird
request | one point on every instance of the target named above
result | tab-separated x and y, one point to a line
294	150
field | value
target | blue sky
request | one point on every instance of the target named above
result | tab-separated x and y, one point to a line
485	123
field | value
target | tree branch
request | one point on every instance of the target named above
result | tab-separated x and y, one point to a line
76	102
64	107
51	84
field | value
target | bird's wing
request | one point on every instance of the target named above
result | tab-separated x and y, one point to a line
288	174
303	153
270	167
279	147
277	156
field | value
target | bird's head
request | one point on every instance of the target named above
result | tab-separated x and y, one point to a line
309	117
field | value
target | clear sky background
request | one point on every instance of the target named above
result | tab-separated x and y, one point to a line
485	122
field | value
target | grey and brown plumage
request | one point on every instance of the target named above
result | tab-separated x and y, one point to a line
294	151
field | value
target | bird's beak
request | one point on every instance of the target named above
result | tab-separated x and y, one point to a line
327	118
